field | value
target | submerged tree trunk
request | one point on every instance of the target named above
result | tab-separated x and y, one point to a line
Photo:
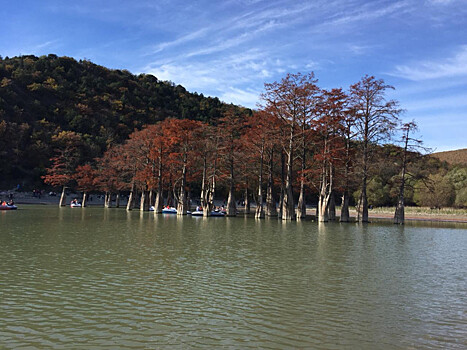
363	205
301	205
209	205
117	200
323	208
271	209
399	215
247	207
182	199
259	214
231	205
85	197
144	203
281	196
332	207
288	205
325	192
158	203
345	215
130	204
62	197
151	198
108	199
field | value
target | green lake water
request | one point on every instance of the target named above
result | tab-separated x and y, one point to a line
96	278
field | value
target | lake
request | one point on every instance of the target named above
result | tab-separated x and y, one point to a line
106	278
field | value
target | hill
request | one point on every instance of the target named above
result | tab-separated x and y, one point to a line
452	157
43	96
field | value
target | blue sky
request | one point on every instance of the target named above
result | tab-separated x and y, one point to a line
229	49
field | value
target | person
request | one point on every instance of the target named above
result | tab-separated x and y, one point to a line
11	202
4	203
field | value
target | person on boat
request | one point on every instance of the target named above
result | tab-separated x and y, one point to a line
4	203
10	203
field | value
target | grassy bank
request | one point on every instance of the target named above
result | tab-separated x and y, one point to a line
422	211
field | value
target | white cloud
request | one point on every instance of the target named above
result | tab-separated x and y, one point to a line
424	70
247	98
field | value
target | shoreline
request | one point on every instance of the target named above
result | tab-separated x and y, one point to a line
384	215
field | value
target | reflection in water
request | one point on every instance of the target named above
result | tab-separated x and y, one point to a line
101	278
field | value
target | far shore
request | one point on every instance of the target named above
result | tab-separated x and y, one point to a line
386	214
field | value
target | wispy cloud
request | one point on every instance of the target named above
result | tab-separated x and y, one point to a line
179	41
424	70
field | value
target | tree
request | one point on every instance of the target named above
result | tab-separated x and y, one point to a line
376	119
182	135
410	144
60	173
435	192
288	100
230	128
329	131
85	179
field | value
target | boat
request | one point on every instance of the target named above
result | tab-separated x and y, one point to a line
75	205
213	213
170	210
8	207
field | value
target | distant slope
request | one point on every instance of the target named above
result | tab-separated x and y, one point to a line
452	157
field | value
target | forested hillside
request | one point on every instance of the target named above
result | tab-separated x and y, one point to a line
41	97
457	157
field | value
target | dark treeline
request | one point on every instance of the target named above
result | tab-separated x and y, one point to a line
79	125
40	97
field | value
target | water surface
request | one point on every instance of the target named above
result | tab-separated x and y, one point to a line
106	278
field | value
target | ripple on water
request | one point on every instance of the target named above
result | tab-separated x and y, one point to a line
131	281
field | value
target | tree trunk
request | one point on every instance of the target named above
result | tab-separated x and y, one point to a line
399	215
364	204
182	200
144	203
301	205
259	214
247	207
62	202
288	205
108	200
364	198
231	205
130	204
151	198
323	210
332	207
159	202
85	197
281	197
117	200
345	215
271	209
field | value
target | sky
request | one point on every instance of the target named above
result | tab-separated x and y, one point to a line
229	49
